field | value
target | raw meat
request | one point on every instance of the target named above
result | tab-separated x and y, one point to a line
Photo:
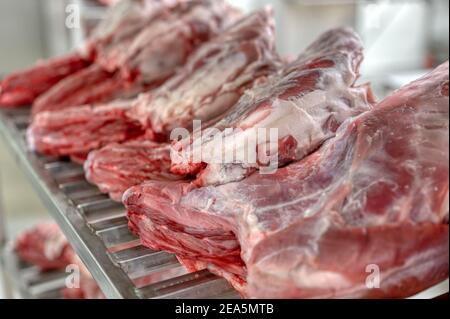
143	55
46	247
121	26
22	88
108	2
373	198
214	78
211	82
77	131
90	85
117	167
304	105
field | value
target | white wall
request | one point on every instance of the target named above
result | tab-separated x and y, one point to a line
21	36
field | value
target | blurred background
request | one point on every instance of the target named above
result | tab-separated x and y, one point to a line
403	38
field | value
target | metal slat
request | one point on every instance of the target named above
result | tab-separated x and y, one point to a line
202	284
117	236
97	228
47	175
111	223
30	282
79	190
147	264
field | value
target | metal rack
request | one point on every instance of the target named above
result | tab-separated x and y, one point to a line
28	281
97	229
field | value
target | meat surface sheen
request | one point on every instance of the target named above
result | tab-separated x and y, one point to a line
304	105
374	198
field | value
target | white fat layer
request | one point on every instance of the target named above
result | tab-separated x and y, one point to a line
303	118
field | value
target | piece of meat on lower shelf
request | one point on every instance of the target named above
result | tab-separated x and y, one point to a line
46	247
364	216
143	60
301	107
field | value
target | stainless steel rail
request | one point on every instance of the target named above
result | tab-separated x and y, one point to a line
97	229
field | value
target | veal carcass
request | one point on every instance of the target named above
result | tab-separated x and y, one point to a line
371	203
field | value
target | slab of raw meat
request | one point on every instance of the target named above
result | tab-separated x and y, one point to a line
92	85
77	131
21	88
165	44
244	53
45	246
117	167
305	104
214	78
211	82
374	198
119	27
139	61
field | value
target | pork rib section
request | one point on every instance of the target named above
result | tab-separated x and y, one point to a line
117	167
305	104
374	198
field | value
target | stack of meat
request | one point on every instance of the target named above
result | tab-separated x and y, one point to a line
376	195
138	46
343	186
45	247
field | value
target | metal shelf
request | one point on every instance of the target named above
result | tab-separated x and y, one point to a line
98	231
29	281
